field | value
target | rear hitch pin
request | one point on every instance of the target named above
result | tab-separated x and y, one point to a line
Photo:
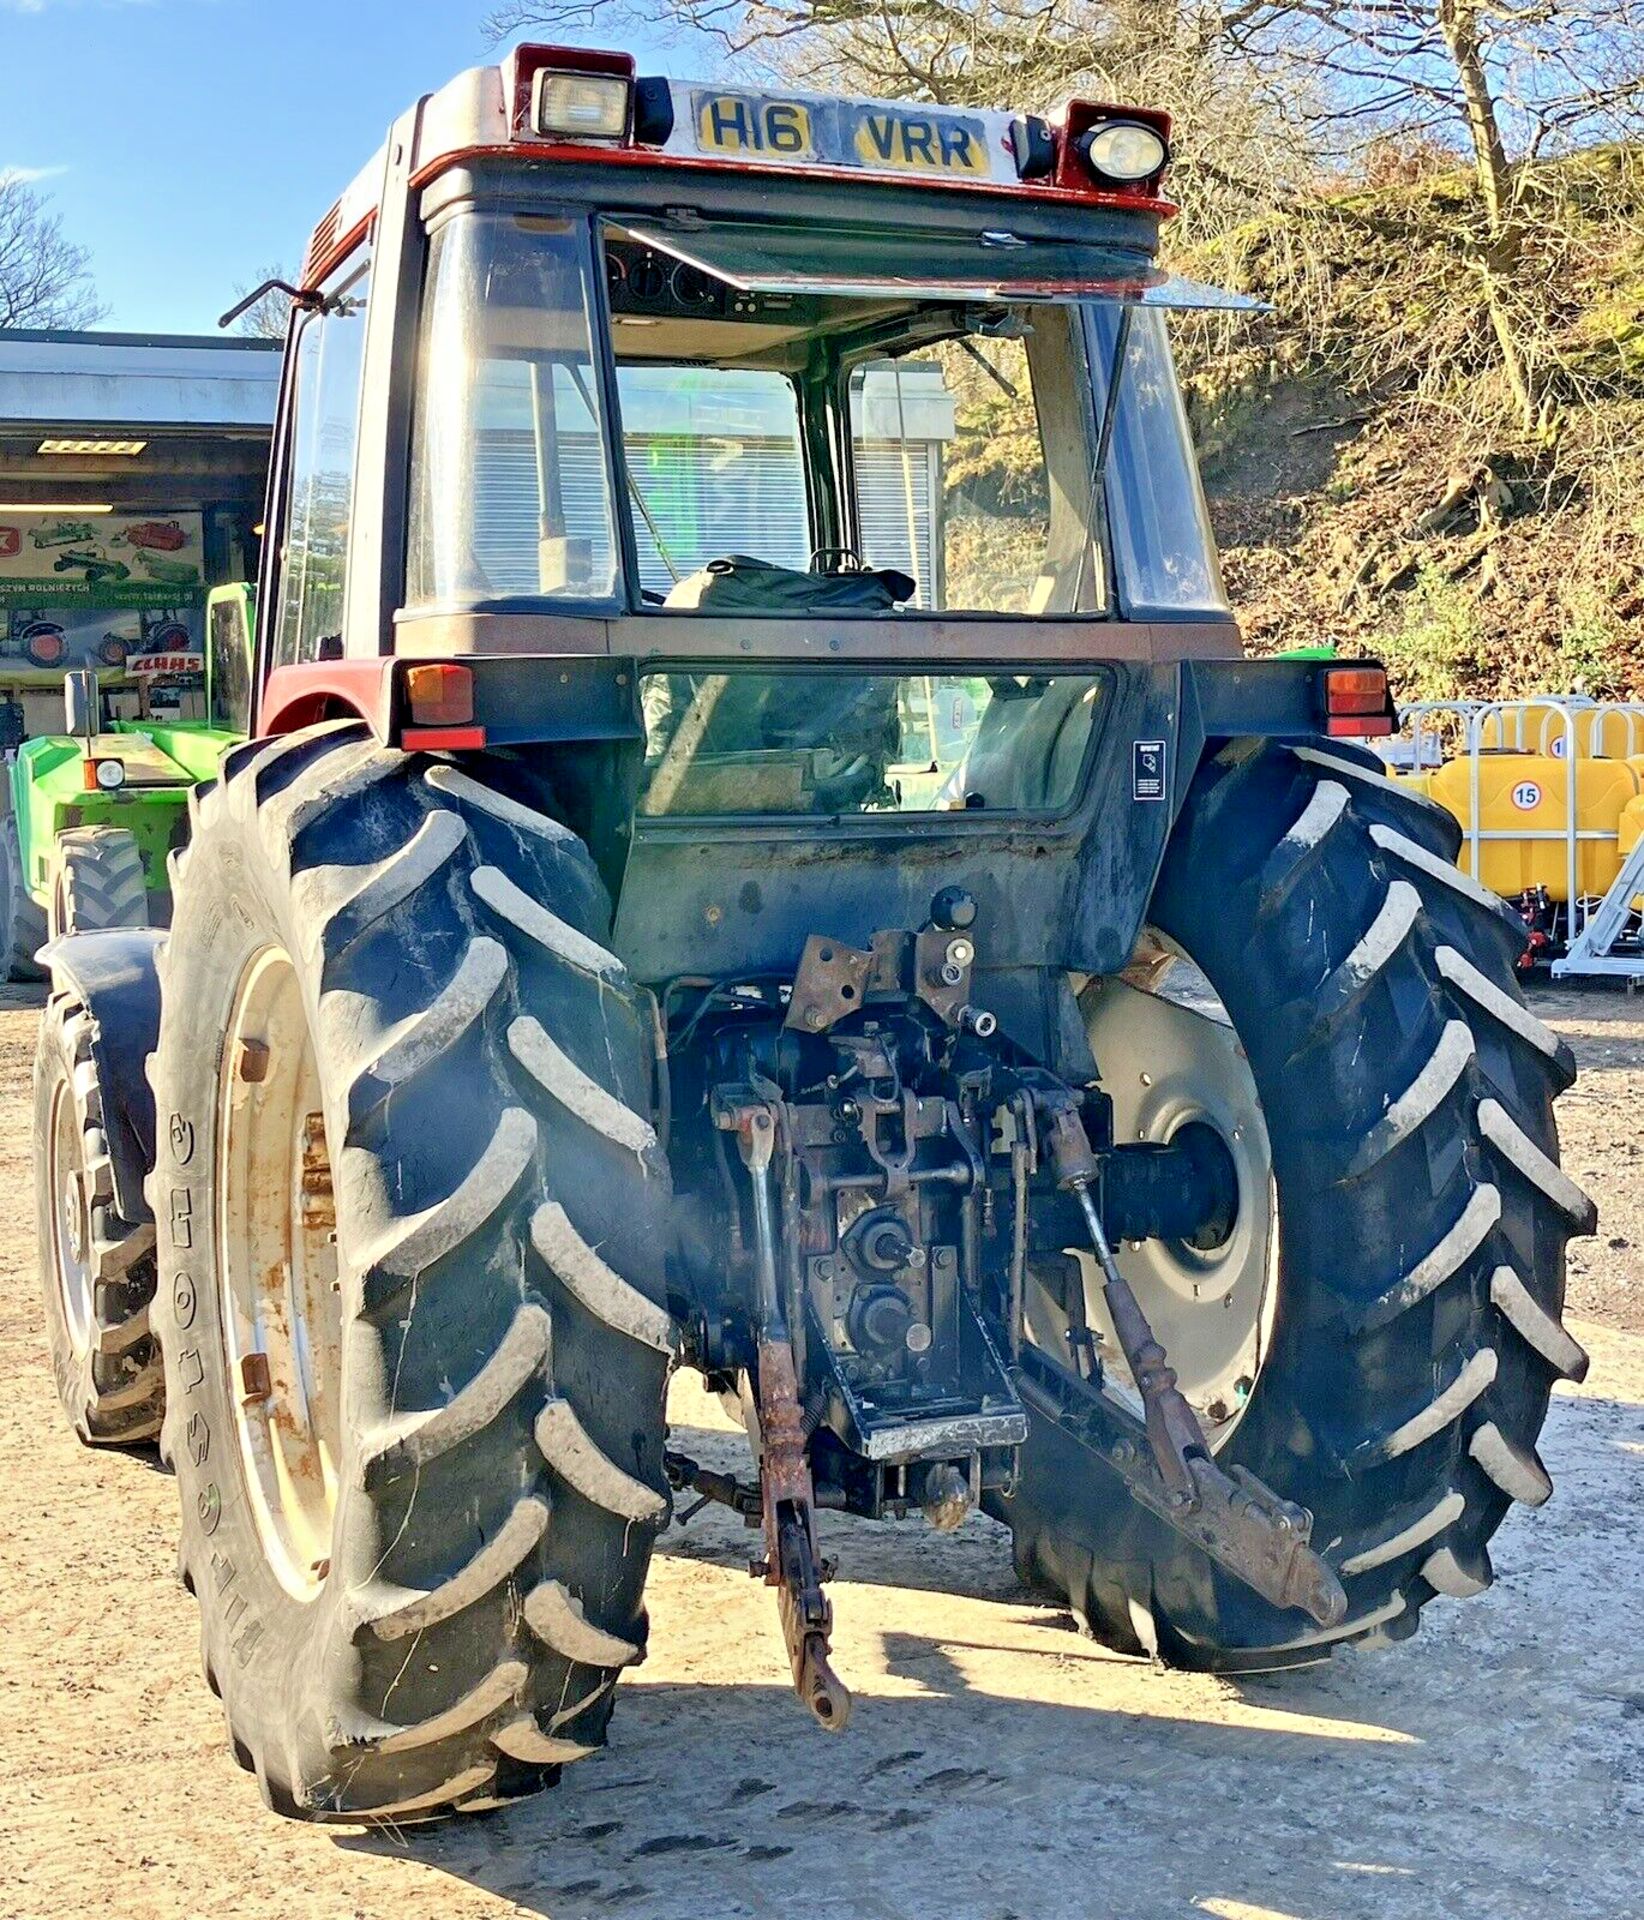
792	1563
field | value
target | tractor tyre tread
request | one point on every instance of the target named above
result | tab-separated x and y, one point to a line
110	1383
1409	1095
501	1478
25	917
100	883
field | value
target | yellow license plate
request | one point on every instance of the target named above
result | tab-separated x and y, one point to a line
919	142
754	125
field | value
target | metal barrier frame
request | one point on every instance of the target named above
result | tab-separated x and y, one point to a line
1475	716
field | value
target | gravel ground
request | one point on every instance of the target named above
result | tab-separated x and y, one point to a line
999	1767
1601	1123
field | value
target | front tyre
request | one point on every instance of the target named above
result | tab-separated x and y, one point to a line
100	882
1421	1218
23	917
411	1243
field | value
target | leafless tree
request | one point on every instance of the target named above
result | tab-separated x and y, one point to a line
1280	105
44	278
1504	82
1031	54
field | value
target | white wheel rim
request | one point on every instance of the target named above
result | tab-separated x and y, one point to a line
70	1217
281	1307
1168	1056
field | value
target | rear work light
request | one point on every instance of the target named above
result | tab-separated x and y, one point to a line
1115	149
103	776
1357	703
572	93
580	106
1124	152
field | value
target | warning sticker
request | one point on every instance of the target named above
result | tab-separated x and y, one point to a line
1147	770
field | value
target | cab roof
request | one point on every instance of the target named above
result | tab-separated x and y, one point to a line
704	128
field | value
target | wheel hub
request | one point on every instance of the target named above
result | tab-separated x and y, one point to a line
1173	1066
277	1268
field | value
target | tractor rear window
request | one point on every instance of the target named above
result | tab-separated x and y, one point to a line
828	743
774	453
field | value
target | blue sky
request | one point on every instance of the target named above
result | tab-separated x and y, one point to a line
187	143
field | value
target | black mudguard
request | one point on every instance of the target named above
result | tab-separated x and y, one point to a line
115	977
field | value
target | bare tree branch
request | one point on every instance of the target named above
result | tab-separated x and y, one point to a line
44	278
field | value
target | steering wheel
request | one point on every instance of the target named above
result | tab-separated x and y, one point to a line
835	560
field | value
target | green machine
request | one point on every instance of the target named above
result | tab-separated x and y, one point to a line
91	814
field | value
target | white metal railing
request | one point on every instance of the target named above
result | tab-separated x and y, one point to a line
1577	720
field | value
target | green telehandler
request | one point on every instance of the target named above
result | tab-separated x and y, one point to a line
92	817
91	813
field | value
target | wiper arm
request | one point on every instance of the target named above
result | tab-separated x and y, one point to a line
1104	448
634	493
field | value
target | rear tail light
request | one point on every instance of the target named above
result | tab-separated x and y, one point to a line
439	702
440	695
1356	702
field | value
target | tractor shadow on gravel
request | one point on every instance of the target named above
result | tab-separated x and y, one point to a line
1000	1767
947	1805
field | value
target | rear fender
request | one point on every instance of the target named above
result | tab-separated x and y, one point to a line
304	694
115	977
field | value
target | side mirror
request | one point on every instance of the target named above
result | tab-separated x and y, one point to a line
80	702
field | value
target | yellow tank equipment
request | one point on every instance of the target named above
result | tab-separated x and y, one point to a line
1613	734
1521	794
1518	730
1421	783
1601	732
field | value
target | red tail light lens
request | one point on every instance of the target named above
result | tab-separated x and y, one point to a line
440	695
1357	703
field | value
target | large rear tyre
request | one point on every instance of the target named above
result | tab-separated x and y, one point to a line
1419	1213
96	1267
411	1245
100	882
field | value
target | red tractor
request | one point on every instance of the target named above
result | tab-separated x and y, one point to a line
760	852
156	536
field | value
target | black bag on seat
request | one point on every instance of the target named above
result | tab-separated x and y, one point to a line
740	584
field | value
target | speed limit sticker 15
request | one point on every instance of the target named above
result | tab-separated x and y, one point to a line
1527	796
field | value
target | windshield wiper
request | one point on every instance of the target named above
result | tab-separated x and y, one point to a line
634	493
1104	448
